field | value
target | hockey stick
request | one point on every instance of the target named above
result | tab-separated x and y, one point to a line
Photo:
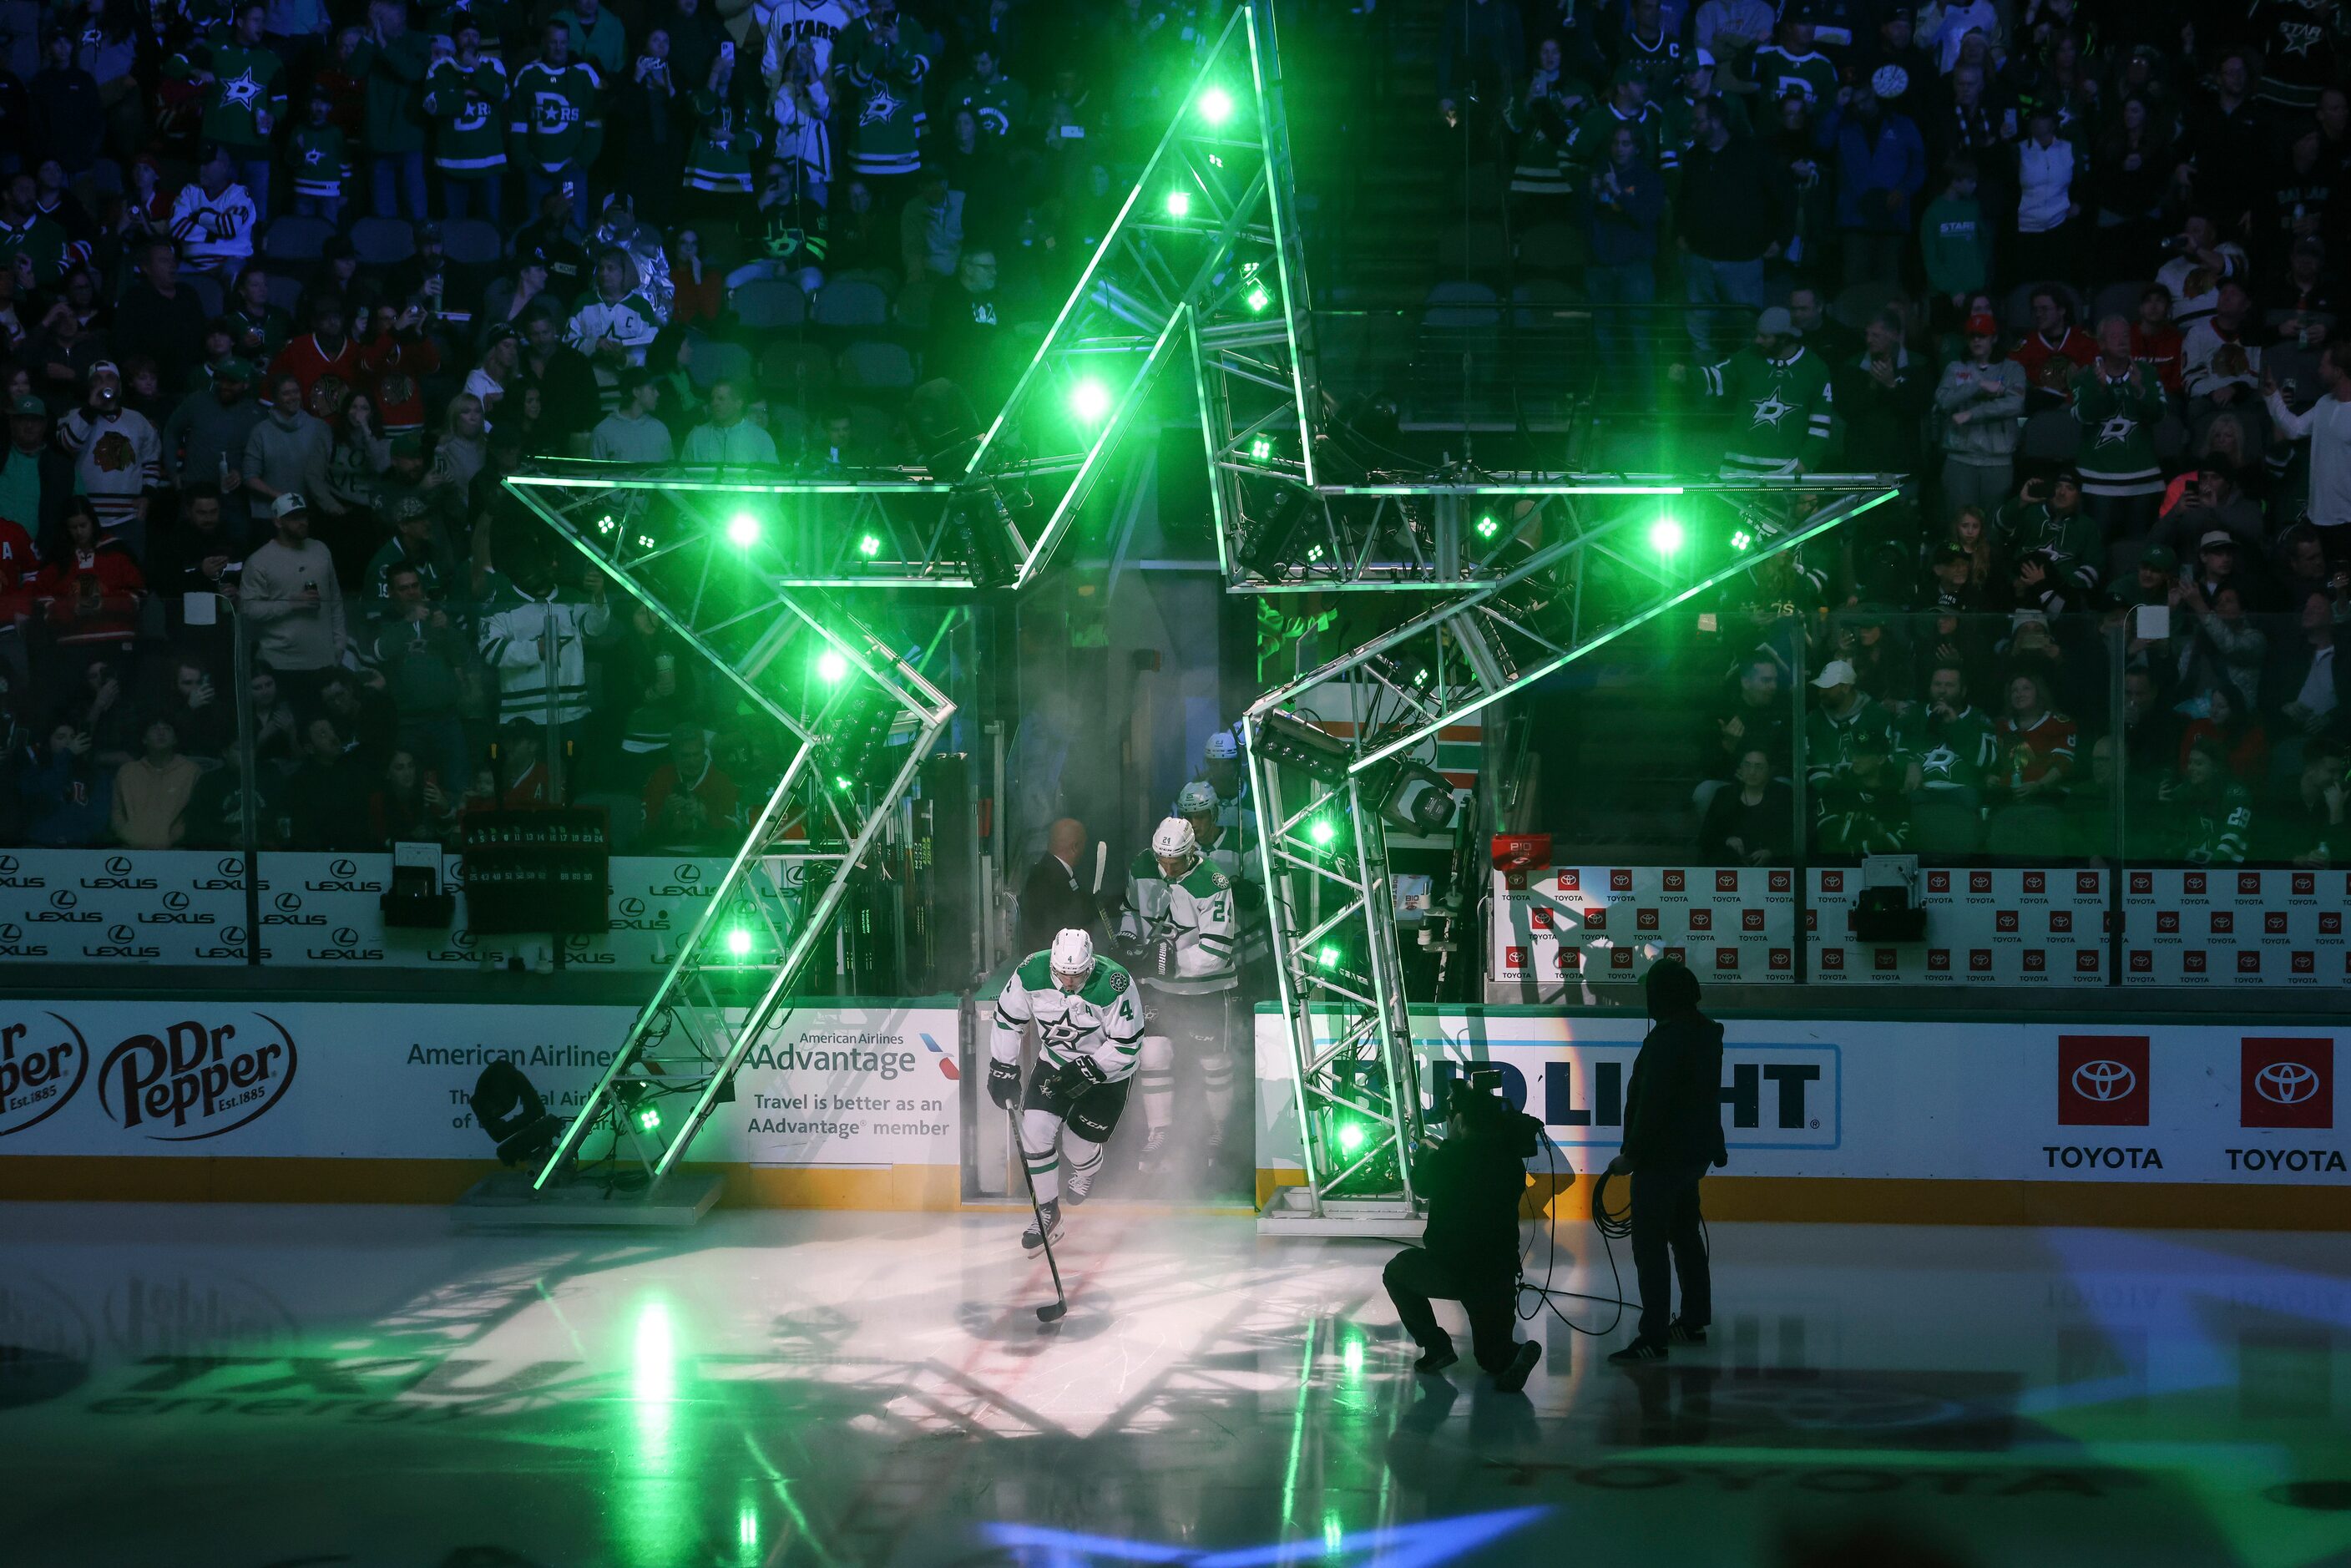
1060	1307
1101	858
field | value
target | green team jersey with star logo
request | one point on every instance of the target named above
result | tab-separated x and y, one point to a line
726	139
1587	144
39	241
468	131
1102	1019
553	114
1779	412
888	78
2118	420
322	160
244	81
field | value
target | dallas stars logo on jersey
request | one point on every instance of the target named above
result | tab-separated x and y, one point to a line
242	91
550	112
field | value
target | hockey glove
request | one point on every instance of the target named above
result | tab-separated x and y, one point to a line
1083	1072
1003	1083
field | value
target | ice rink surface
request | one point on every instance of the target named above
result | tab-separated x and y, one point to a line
245	1385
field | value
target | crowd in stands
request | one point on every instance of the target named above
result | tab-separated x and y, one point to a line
287	290
2074	273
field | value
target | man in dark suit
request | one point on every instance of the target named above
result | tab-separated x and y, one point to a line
1051	899
1673	1133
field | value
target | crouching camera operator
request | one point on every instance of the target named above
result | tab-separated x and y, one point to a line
1673	1133
1474	1181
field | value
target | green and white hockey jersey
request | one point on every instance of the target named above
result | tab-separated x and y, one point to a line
245	82
553	114
1587	143
321	160
1779	412
1199	912
41	242
1779	73
888	81
2118	420
724	141
468	131
1101	1020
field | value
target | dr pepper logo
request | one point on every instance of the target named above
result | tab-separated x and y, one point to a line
192	1081
42	1063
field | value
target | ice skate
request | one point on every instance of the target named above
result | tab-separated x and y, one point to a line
1047	1226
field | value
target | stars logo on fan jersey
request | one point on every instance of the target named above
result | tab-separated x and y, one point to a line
1771	409
2117	429
242	91
1943	762
880	105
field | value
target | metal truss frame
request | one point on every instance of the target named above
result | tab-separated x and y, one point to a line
836	694
1204	257
1322	848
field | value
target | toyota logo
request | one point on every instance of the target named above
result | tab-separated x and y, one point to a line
2285	1083
2104	1081
118	865
344	868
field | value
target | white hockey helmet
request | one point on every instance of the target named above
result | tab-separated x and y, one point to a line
1073	952
1175	841
1197	799
1223	747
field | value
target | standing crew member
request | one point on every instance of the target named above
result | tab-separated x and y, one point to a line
1089	1028
1474	1182
1052	899
1182	932
1673	1132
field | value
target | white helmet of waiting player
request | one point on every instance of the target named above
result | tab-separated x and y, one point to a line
1175	841
1223	747
1073	952
1197	799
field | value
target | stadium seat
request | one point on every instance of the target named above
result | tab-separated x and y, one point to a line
1478	249
470	242
771	302
1550	250
870	364
286	291
716	362
296	238
792	370
385	242
852	302
207	290
2118	300
1856	303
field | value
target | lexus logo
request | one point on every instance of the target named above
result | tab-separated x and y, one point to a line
632	906
344	868
118	865
2285	1083
175	899
232	866
121	936
2104	1079
7	865
687	872
347	936
289	902
63	899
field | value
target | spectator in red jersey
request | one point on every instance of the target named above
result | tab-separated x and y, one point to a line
2036	744
690	801
2053	351
327	349
91	592
2155	340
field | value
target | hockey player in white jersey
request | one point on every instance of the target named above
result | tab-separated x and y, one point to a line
1182	932
1089	1029
1220	768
